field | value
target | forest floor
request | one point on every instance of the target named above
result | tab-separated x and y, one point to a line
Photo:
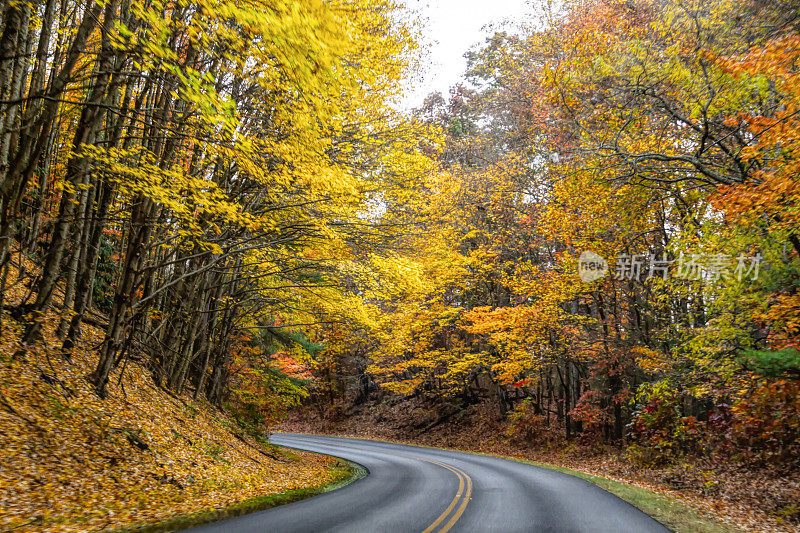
70	461
728	494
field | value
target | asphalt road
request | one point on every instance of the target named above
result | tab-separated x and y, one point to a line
422	489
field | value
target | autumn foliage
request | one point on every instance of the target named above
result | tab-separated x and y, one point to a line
631	129
199	182
229	192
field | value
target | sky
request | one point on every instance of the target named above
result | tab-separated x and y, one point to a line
451	27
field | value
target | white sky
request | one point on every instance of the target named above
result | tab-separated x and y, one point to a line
451	27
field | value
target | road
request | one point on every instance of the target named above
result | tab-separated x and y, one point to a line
429	490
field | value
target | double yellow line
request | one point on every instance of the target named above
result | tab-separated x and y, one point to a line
463	494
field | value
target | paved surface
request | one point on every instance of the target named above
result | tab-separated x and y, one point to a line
422	489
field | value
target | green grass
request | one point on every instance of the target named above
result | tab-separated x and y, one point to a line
344	473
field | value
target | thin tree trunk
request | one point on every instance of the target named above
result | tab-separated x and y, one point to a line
88	126
139	235
80	232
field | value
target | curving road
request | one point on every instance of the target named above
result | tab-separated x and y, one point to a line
423	489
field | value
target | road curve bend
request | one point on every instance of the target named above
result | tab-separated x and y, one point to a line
429	490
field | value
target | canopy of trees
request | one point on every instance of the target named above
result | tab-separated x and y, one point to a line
228	190
662	136
199	180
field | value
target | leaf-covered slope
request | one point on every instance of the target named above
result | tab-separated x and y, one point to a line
72	462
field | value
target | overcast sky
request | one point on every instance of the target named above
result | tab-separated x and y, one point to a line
451	27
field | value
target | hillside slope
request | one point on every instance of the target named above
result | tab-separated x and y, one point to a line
70	461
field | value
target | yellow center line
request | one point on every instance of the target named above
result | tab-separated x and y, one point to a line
461	508
462	478
446	512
